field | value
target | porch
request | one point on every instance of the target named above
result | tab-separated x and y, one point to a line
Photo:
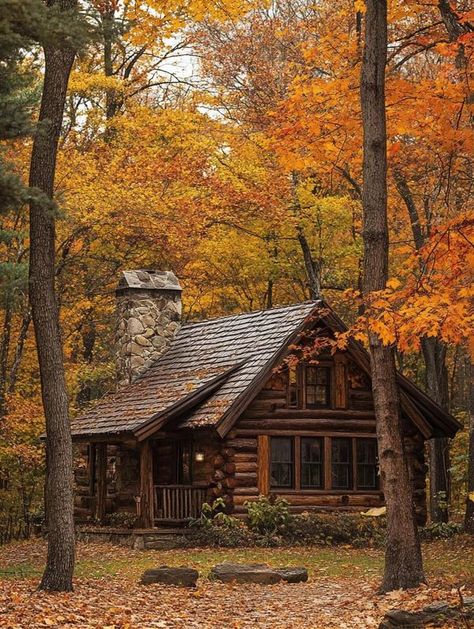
160	482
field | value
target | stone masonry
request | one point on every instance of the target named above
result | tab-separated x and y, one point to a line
148	317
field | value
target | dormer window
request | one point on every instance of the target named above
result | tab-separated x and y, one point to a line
317	387
309	386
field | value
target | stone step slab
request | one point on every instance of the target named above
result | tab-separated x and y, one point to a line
166	575
229	572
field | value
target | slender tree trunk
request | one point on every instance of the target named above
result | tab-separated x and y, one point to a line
403	561
434	353
469	516
436	376
59	473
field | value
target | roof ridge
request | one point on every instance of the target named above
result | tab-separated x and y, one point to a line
252	312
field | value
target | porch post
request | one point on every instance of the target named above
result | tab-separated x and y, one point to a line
263	465
146	485
101	482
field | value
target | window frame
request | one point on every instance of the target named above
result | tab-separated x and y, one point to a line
373	465
326	465
291	463
319	464
299	386
348	464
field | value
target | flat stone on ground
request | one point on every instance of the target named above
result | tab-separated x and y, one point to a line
293	575
245	573
434	615
170	576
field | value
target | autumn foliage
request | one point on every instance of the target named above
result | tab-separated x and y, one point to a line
223	140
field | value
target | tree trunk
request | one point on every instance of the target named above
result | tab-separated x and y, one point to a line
434	353
59	473
403	561
436	376
469	516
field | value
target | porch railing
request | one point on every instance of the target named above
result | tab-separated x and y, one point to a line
178	502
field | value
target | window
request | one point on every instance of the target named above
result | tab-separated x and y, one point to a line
324	463
309	386
367	477
317	387
341	463
312	463
184	462
293	387
282	462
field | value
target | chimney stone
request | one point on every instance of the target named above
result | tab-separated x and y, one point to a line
148	311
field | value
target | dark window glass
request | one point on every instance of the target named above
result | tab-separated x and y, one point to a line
318	382
341	463
367	477
292	387
311	463
184	461
281	473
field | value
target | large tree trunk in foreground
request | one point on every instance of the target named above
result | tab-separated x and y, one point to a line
403	562
469	516
59	472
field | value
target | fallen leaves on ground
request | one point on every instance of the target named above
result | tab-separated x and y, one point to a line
119	602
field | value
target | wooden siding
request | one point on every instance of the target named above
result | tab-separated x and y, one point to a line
351	415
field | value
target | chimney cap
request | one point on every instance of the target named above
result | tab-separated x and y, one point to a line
147	279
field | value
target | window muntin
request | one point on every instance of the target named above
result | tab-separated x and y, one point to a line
341	463
312	456
367	477
282	462
352	463
317	389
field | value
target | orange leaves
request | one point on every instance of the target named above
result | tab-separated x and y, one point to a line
431	297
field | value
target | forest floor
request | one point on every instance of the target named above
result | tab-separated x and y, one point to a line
341	591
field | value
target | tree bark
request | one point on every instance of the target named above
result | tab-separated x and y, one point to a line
59	473
436	377
403	561
469	516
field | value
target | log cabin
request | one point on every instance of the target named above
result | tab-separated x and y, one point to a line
236	407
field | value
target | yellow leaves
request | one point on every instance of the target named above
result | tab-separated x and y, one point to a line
85	83
376	512
393	283
359	6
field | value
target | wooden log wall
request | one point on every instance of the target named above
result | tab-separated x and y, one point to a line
121	480
351	415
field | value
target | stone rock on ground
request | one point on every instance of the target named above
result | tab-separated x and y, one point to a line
293	575
170	576
245	573
256	573
435	615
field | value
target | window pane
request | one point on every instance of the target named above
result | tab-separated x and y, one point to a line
341	464
281	473
311	463
317	386
292	387
311	450
367	477
184	462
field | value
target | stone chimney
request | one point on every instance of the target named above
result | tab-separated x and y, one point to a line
148	318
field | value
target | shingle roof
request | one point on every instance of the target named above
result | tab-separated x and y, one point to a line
231	350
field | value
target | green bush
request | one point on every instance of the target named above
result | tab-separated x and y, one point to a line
329	529
268	517
439	530
215	528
